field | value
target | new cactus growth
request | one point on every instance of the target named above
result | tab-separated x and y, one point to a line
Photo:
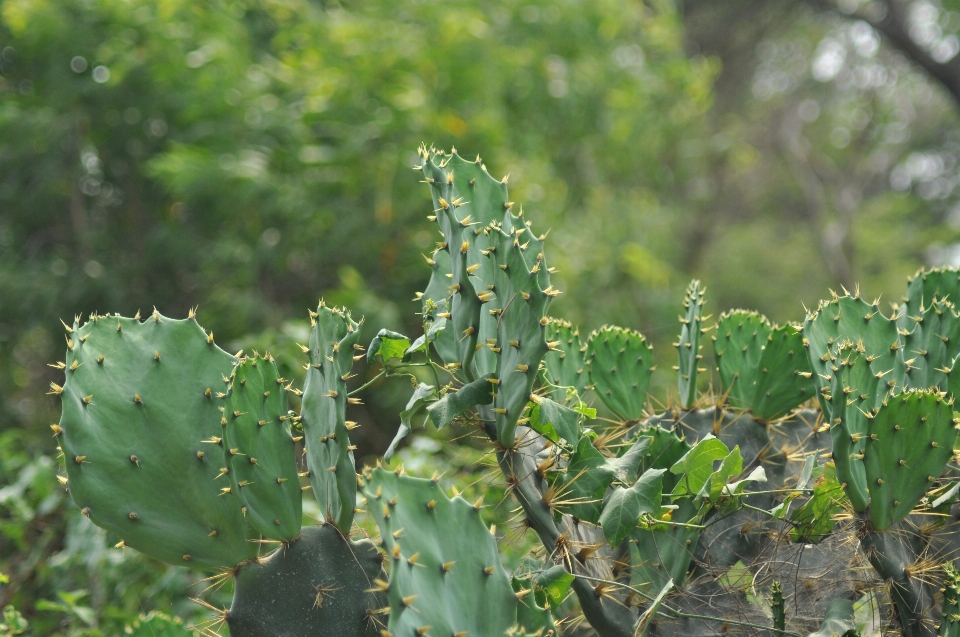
620	363
652	521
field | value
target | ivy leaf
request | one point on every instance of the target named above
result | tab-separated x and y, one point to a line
696	465
451	405
554	421
388	346
423	395
814	520
623	508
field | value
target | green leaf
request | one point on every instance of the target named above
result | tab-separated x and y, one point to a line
423	395
623	507
814	520
388	346
554	584
645	620
627	465
713	488
696	465
451	405
839	620
554	421
579	489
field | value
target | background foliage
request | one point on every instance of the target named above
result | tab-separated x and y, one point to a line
233	155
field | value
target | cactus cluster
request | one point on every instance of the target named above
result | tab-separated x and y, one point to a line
828	448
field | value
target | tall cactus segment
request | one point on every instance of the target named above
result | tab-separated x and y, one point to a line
445	575
436	308
850	318
763	368
333	340
565	366
908	444
689	344
318	584
260	452
620	363
140	433
466	199
521	321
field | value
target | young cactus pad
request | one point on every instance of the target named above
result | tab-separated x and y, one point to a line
260	452
620	363
333	339
140	434
445	574
564	366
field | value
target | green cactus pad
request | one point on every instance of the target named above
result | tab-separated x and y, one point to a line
931	345
927	285
738	345
785	377
333	336
564	366
139	402
777	609
620	363
260	452
316	585
850	318
688	346
855	393
950	615
910	441
445	568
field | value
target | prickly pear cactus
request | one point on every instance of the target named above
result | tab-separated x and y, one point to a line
259	449
620	363
334	336
445	574
141	433
688	346
317	584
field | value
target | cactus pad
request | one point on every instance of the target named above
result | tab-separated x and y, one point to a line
333	337
139	415
927	285
620	363
785	378
931	345
909	443
950	617
316	585
564	366
260	452
738	346
445	574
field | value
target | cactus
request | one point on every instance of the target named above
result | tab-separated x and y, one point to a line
141	437
689	344
321	579
653	522
333	341
445	574
620	364
564	366
260	451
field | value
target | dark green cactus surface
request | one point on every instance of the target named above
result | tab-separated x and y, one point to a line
950	613
333	339
318	584
141	431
